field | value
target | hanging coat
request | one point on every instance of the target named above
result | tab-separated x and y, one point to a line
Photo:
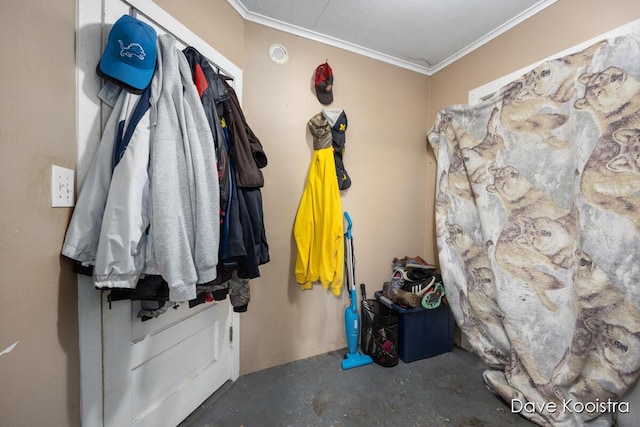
110	220
212	93
247	246
318	228
184	181
247	150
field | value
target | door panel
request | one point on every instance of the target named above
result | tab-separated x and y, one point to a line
158	371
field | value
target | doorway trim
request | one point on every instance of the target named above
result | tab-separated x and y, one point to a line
485	91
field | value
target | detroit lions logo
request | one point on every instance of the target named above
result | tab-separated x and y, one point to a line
133	49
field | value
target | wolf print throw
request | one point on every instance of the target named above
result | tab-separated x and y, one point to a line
538	231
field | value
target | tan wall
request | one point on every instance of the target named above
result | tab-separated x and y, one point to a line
214	21
38	292
385	156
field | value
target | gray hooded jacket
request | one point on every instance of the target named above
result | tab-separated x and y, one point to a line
185	214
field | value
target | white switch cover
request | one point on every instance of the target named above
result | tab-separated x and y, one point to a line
61	187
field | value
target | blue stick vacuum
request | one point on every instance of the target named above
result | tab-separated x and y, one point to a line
353	358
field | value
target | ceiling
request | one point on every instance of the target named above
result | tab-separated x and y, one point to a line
420	35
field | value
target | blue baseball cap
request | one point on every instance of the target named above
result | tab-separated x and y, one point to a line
130	54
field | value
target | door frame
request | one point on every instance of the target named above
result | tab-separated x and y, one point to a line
89	45
487	90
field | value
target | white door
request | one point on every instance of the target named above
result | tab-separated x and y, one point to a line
152	373
158	371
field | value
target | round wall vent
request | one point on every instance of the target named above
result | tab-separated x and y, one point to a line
278	54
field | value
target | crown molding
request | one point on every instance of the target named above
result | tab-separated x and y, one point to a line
351	47
493	34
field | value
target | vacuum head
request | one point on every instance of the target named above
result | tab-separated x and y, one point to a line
354	360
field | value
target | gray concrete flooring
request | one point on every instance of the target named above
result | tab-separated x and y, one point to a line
445	390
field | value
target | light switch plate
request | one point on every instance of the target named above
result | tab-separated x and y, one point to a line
62	185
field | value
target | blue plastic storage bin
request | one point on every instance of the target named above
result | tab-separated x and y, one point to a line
422	333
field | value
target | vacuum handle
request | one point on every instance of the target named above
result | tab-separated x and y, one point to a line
349	224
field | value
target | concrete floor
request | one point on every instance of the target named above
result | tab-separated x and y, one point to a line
445	390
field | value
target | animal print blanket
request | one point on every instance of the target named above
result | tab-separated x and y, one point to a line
538	232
